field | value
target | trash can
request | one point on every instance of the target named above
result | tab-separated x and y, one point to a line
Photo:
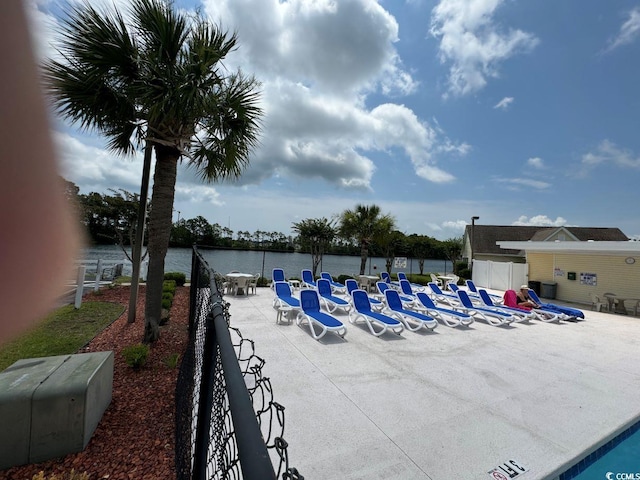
548	290
535	286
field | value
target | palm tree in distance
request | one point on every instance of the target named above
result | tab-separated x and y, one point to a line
365	225
155	78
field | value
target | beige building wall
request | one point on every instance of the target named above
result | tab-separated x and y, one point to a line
610	272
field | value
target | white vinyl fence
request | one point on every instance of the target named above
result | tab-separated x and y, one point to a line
500	275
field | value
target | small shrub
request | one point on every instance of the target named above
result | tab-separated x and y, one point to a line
178	277
166	303
169	286
135	355
263	282
168	295
342	277
172	360
464	273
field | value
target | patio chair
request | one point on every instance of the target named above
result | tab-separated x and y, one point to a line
597	304
335	286
284	302
436	280
411	319
252	284
490	315
331	302
362	311
351	285
307	279
451	318
310	312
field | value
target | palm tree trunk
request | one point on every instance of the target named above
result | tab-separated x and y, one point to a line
164	182
364	253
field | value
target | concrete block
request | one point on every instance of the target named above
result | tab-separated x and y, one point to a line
50	407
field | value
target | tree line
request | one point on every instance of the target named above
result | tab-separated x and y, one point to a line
111	218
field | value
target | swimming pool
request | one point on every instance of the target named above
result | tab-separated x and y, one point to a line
618	459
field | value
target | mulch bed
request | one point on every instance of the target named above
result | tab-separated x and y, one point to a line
135	438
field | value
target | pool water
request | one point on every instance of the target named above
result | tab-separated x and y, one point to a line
618	459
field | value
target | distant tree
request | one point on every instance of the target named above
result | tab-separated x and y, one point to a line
453	249
394	245
365	225
315	234
422	247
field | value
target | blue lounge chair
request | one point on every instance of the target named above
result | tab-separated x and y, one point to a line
362	311
307	279
570	313
352	285
490	315
451	318
311	313
412	320
415	286
442	297
331	302
335	286
383	287
520	314
284	301
277	275
386	278
406	289
471	286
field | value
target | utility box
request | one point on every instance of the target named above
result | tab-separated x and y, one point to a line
548	290
50	406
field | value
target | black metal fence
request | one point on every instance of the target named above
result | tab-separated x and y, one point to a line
226	419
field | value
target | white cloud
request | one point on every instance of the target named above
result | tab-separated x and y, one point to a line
536	162
629	31
516	183
504	103
608	152
541	221
472	43
455	225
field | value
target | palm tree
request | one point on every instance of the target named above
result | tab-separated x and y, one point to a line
317	234
365	225
156	78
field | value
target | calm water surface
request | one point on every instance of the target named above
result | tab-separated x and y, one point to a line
249	261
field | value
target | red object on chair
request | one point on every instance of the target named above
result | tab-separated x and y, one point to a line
511	300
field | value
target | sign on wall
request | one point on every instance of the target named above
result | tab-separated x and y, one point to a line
588	279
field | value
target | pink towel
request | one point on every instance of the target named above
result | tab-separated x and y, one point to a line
511	300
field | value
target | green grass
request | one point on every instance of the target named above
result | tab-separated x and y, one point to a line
63	332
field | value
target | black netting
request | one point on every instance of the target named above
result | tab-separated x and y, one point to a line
206	441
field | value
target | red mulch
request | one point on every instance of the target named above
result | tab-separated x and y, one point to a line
135	438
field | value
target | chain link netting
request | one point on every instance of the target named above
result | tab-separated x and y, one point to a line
218	458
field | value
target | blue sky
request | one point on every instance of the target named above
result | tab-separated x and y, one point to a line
519	112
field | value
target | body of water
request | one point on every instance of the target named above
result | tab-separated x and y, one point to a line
251	261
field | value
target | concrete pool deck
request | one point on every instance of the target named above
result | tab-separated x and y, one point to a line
452	404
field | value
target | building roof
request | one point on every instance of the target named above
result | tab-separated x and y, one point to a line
487	236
